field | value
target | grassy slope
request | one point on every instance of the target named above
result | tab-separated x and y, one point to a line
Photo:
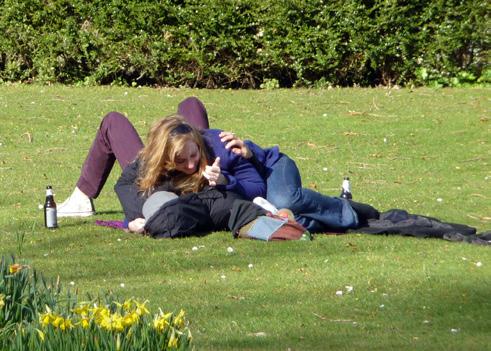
401	149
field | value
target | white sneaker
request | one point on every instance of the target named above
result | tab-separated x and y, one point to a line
75	207
268	206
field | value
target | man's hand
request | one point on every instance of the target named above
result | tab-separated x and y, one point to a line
235	144
214	174
137	225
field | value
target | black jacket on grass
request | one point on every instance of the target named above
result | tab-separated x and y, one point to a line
400	222
193	214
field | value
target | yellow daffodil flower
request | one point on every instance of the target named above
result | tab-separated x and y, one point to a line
179	320
40	334
100	313
172	340
82	310
67	324
130	318
117	322
161	322
105	322
57	322
85	322
14	268
141	309
45	319
127	304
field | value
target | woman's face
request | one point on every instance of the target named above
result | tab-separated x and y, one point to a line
187	160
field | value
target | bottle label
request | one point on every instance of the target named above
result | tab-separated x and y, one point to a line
51	221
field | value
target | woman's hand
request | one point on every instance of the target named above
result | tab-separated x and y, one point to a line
235	144
214	174
137	225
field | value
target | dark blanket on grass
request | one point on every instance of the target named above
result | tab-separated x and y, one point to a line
400	222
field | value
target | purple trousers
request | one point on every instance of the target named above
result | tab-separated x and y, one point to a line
117	139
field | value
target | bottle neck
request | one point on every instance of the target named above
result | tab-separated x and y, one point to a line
49	192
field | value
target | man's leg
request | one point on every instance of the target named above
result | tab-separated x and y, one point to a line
315	211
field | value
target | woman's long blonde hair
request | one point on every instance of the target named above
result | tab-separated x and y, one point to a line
165	140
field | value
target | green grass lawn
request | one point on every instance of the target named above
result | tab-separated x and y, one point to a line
427	151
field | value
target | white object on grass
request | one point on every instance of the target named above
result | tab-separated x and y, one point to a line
268	206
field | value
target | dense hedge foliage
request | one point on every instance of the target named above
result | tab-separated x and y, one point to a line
245	43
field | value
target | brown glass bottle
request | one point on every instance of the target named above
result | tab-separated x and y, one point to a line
50	220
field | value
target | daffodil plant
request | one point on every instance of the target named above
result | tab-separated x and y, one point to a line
103	323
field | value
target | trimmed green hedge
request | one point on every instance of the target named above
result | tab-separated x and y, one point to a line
245	43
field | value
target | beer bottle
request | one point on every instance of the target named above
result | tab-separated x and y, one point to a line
50	220
306	236
345	189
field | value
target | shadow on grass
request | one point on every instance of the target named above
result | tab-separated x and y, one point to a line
121	213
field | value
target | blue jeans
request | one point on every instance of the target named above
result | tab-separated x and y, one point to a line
316	212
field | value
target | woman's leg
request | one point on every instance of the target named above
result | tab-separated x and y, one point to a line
193	110
116	139
316	212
